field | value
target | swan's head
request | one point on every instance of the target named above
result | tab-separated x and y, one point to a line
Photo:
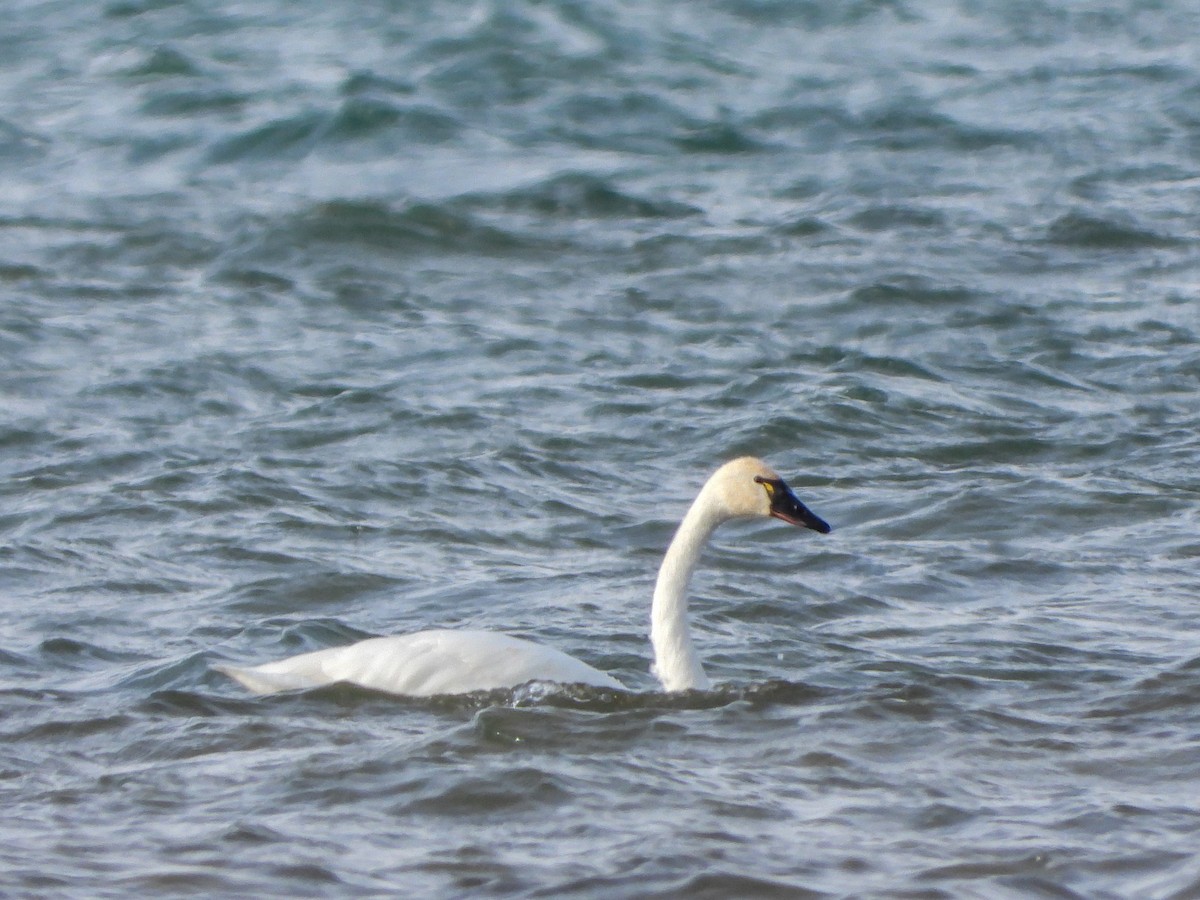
749	488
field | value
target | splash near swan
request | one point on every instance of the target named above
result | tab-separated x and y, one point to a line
442	661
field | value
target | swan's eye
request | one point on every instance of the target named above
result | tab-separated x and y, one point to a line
769	486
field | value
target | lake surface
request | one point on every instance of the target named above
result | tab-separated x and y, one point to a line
322	321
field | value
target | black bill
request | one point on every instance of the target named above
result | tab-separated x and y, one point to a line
786	506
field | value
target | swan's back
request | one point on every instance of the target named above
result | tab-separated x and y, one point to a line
424	664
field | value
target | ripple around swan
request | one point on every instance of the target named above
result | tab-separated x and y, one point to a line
579	697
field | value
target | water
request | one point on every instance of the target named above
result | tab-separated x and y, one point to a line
324	321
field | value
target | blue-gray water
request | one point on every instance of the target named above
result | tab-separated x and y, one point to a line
322	320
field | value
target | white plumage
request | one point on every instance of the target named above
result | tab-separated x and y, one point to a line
424	664
444	661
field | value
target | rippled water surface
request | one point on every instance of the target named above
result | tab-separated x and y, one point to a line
322	321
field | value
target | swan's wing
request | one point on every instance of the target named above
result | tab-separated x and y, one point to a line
423	665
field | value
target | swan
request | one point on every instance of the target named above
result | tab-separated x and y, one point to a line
447	661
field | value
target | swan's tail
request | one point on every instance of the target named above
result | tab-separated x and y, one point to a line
255	680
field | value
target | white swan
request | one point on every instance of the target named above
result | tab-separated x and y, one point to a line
428	663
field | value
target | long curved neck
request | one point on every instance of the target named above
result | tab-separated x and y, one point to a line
675	661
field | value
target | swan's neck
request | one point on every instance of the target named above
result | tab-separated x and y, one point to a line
675	661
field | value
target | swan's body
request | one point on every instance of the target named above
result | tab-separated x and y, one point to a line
428	663
425	664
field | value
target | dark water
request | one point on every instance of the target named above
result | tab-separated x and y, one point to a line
320	321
